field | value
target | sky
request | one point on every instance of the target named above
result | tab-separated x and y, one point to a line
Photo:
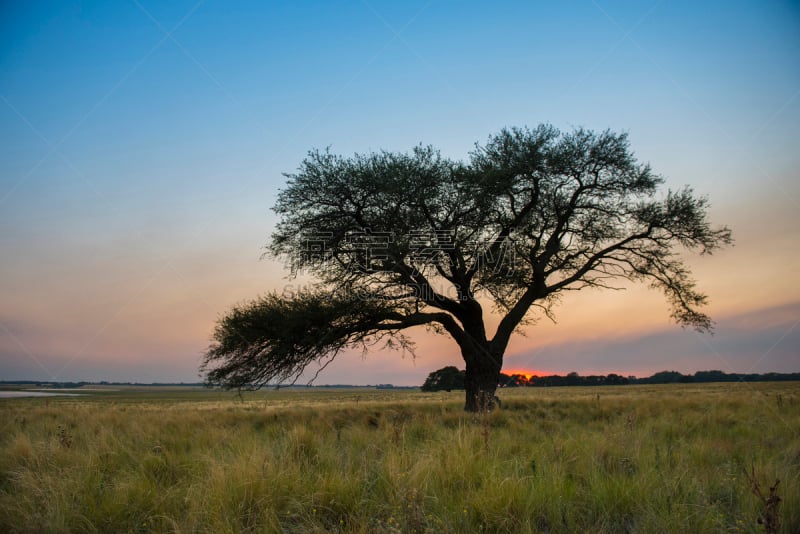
142	145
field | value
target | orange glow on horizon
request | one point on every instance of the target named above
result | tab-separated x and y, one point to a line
527	373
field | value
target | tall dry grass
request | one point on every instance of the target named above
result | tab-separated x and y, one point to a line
634	459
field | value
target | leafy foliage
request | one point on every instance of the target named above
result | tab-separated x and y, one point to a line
275	338
445	379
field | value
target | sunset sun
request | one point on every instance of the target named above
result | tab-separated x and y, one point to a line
527	373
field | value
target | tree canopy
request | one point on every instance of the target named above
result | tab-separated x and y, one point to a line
397	240
445	379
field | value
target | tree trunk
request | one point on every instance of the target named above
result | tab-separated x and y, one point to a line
482	377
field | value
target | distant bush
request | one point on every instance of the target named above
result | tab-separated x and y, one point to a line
445	379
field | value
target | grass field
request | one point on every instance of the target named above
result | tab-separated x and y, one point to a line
610	459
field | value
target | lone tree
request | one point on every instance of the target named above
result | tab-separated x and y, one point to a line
403	240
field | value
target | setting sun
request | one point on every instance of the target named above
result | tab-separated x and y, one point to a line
527	373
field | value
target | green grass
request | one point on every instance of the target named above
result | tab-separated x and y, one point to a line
636	459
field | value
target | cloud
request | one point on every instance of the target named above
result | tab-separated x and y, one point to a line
757	341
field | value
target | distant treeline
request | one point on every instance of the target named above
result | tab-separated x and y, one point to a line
450	378
662	377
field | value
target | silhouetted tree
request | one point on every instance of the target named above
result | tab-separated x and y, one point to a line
713	376
445	379
615	379
403	240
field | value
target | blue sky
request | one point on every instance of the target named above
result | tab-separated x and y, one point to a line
143	144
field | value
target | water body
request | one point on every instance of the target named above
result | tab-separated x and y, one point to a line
17	394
